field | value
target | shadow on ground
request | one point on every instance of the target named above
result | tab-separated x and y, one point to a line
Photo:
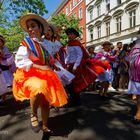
11	106
96	119
104	118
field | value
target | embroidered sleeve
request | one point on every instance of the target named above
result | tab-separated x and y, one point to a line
21	58
56	47
79	57
52	47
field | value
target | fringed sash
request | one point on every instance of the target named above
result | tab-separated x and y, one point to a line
37	49
135	52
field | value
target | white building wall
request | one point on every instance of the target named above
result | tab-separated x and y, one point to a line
88	1
103	11
103	30
125	21
95	33
113	4
138	15
126	35
112	25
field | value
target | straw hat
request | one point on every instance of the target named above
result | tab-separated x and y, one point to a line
25	18
2	38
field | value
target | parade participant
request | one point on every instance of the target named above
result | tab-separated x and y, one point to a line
79	63
7	67
53	44
116	64
50	33
123	68
91	51
92	54
134	76
57	50
106	77
34	79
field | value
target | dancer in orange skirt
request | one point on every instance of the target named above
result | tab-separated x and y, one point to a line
34	79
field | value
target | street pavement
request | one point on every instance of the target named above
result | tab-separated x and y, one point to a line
96	119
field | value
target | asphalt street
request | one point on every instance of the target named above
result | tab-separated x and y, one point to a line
96	119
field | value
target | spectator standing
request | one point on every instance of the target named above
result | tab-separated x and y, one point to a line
7	68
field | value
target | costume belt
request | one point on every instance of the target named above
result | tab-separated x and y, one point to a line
42	67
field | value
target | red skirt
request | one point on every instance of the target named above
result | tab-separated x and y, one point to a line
87	73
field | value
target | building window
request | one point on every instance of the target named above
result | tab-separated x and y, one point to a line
80	13
108	28
107	5
91	34
67	10
98	10
91	15
132	18
71	6
98	31
119	2
75	15
74	3
119	23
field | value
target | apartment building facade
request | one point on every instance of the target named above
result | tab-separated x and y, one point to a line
76	8
112	20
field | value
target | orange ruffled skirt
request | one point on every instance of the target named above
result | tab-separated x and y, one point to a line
37	81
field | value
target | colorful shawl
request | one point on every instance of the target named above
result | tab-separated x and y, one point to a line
38	50
135	53
134	61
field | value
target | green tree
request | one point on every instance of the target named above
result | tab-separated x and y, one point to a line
65	22
18	7
10	11
13	35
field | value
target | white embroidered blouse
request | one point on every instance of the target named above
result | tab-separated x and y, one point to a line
74	55
22	60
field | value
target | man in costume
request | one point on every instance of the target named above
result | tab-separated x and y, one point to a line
78	62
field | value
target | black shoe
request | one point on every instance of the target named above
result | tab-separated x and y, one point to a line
135	120
48	132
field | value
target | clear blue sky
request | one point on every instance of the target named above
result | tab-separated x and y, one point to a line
51	5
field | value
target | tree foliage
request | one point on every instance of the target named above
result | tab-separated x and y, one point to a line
18	7
10	11
65	22
13	35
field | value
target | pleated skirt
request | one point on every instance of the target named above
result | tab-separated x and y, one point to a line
37	81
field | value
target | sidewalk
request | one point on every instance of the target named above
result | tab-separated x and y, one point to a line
95	119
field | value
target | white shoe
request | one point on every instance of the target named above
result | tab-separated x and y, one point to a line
125	90
120	90
111	89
